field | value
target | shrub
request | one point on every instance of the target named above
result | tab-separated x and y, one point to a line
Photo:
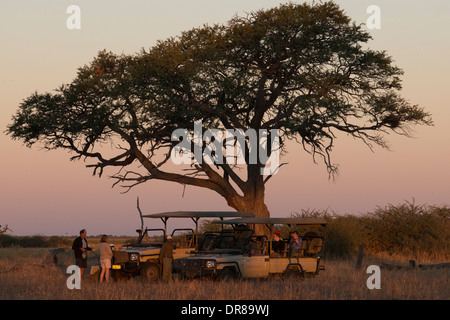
35	241
409	229
406	229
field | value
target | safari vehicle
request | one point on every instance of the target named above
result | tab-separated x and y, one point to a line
239	253
142	257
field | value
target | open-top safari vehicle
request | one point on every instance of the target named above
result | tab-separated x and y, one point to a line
142	257
239	253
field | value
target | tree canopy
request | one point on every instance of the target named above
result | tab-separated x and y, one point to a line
305	70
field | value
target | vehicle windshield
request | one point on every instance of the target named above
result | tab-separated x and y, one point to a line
183	238
237	239
151	236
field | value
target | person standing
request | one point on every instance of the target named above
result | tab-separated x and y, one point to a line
106	255
80	248
166	258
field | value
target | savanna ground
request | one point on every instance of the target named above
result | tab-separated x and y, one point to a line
339	281
412	232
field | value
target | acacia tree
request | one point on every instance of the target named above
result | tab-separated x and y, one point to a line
302	69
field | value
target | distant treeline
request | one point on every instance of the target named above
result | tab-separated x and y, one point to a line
40	241
406	229
36	241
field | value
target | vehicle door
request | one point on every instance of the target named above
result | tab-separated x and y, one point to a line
183	240
255	262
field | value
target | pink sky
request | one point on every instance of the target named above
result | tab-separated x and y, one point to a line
44	193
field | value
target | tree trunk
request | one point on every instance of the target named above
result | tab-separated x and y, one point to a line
262	211
255	205
253	199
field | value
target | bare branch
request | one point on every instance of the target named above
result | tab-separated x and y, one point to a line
275	171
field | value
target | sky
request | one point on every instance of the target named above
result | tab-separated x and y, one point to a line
43	193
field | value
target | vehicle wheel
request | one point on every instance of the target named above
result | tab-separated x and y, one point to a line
150	272
227	274
294	274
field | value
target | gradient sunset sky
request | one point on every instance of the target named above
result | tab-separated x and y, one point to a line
44	193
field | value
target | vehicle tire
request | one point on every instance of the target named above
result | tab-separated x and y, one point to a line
150	272
227	274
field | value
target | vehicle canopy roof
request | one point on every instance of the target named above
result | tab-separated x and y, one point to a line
200	214
196	215
275	221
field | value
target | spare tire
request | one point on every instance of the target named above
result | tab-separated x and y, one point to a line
294	273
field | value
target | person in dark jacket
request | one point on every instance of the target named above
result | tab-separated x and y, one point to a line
80	248
277	244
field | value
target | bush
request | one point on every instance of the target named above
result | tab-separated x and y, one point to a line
33	241
409	229
344	235
406	229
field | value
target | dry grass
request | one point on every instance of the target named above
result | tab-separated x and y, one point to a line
339	281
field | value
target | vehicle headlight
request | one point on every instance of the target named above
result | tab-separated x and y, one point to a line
134	257
211	264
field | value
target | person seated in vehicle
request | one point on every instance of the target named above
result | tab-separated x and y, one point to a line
242	235
295	244
255	246
277	244
208	242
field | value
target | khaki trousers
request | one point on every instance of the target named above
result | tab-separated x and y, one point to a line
167	269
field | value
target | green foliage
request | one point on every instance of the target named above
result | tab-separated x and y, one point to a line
406	229
208	225
409	229
304	69
33	241
345	234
